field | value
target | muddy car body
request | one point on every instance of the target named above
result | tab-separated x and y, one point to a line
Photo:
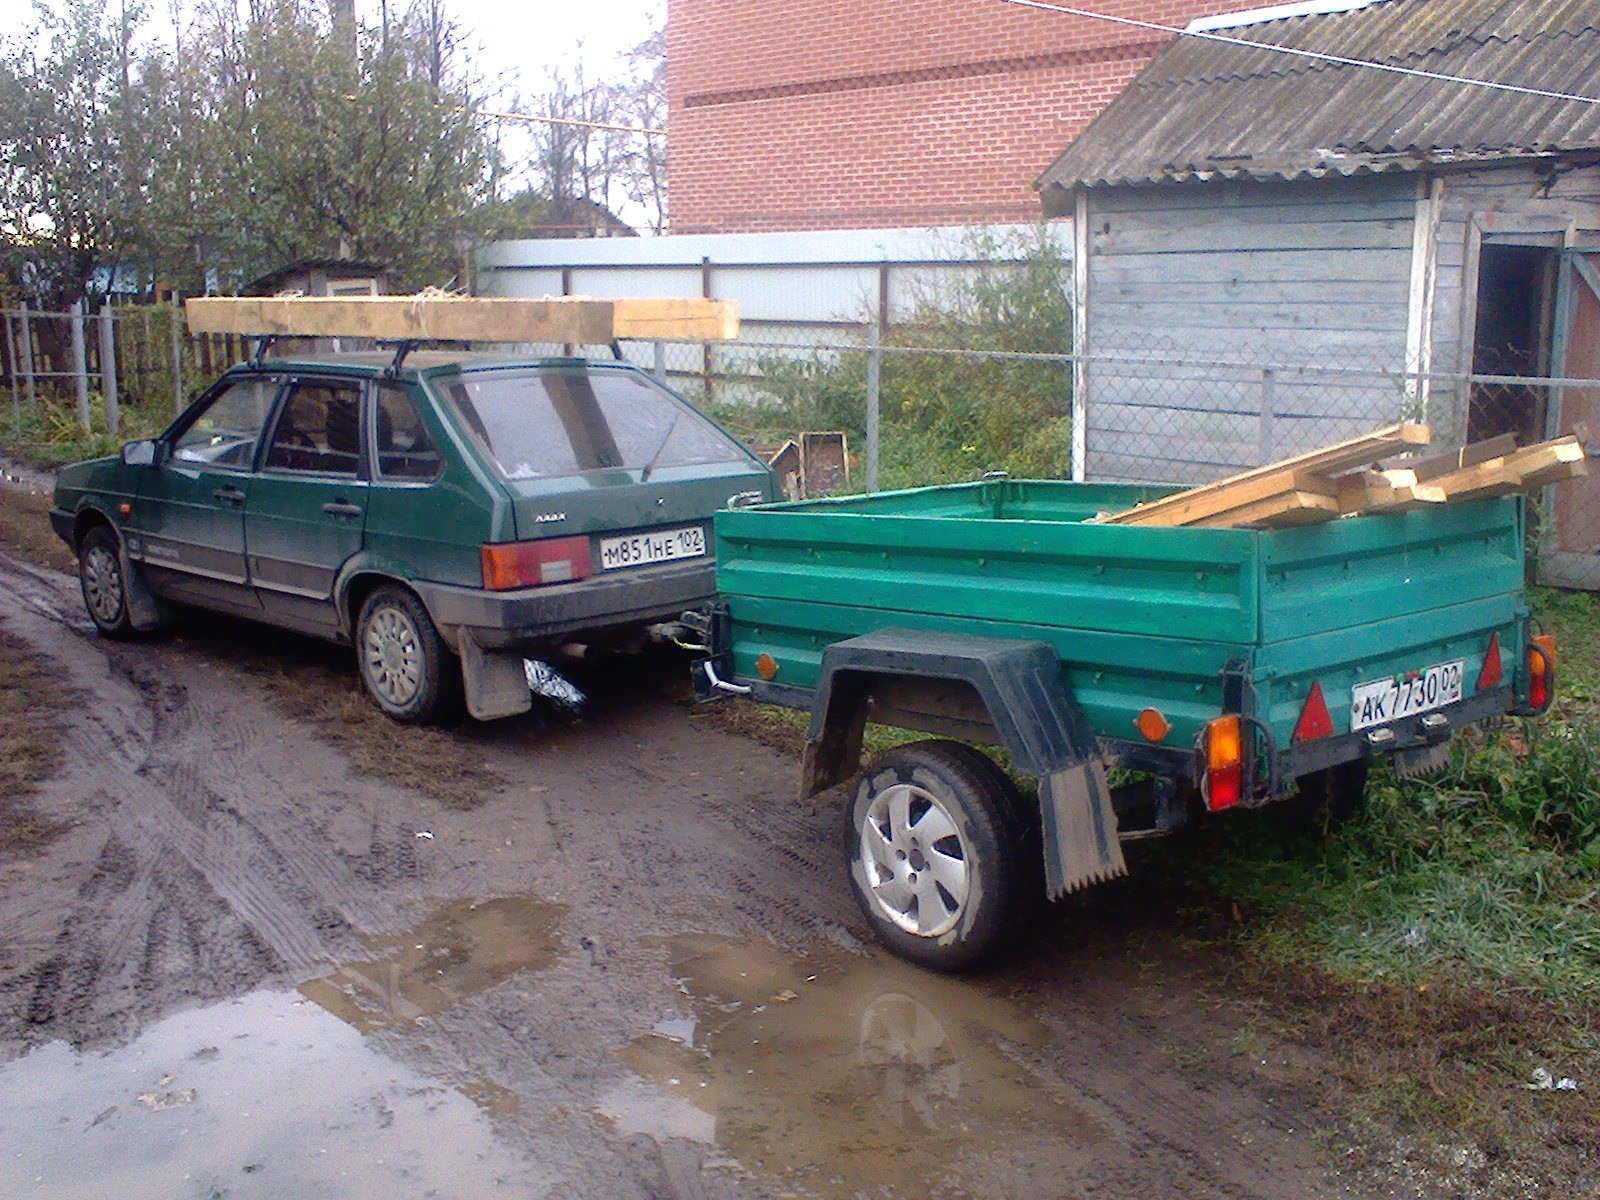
447	514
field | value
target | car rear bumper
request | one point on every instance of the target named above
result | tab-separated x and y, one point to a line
508	620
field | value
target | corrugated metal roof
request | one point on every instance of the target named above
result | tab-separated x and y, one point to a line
1204	109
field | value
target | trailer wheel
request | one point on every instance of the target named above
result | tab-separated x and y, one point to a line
935	853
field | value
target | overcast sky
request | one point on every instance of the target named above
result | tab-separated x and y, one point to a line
514	40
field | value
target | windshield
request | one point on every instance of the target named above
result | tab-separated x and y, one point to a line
560	421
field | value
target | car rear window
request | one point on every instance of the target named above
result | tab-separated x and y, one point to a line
536	424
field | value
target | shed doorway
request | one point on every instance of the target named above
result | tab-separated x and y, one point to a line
1569	555
1514	336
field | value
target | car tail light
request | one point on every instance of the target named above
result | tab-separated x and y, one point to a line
1493	670
1224	763
1541	670
1315	720
508	565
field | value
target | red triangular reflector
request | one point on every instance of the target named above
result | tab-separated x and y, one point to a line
1493	672
1314	719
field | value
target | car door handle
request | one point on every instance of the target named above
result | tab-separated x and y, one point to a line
228	495
339	508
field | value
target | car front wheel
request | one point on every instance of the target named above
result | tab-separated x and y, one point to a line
100	573
405	665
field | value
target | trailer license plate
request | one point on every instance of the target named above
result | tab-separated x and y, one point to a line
1386	700
659	545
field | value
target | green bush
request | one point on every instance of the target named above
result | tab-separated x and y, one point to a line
945	416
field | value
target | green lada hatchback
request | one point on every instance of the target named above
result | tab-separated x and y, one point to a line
448	514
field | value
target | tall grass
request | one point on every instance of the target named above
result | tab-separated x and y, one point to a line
1486	874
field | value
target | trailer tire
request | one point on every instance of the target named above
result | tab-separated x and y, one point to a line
936	853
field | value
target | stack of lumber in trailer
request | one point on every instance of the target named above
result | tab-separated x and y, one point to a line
1345	480
445	317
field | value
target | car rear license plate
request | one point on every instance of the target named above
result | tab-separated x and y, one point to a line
656	546
1386	700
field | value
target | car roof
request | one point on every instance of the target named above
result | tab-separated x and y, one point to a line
418	362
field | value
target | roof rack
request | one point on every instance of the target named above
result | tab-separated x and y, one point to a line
428	317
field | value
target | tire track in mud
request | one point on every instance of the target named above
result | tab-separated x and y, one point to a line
209	882
237	851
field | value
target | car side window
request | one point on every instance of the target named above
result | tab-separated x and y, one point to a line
226	431
402	446
318	430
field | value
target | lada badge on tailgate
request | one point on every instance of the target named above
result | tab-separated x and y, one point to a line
1385	700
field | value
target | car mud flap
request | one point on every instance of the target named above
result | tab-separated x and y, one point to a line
496	684
1416	761
145	612
1082	826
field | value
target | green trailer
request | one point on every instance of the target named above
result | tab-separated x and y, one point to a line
1217	668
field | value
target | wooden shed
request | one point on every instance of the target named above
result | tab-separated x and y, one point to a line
1281	244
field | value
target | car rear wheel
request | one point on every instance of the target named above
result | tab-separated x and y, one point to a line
100	574
936	853
405	665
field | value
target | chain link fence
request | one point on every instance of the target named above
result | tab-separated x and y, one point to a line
113	370
1142	415
913	414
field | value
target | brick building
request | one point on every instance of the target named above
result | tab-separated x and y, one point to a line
829	114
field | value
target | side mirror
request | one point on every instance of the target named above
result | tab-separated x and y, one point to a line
139	454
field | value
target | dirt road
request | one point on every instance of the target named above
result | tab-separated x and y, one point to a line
608	957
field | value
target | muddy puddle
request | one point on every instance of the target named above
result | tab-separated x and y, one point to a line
458	952
842	1075
279	1093
267	1096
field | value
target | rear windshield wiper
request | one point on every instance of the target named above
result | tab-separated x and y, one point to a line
651	465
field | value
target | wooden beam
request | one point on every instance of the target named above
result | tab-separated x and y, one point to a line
1467	456
1383	491
1283	511
1306	472
574	319
1521	470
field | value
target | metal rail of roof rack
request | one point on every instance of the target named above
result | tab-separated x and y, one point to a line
263	344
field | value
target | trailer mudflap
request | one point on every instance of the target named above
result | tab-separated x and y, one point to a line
1028	708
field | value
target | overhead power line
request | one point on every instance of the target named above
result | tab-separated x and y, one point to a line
538	119
1340	60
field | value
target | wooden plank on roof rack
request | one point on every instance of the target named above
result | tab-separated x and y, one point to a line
1303	473
576	319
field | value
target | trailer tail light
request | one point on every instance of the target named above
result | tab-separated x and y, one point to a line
508	565
1541	670
1493	669
1315	720
1224	763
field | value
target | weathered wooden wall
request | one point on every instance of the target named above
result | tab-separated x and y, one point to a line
1314	274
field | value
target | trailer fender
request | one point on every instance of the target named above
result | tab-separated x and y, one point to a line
996	690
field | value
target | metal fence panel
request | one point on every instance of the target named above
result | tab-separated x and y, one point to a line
1152	417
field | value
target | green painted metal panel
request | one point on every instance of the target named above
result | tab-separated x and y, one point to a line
1140	617
1112	675
1339	574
